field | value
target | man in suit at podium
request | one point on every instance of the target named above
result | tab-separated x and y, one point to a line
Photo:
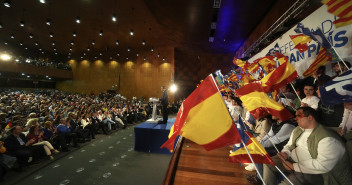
164	100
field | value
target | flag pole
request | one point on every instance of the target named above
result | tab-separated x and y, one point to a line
295	92
261	178
250	156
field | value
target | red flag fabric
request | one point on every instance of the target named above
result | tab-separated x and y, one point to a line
204	119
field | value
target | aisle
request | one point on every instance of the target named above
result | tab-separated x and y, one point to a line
108	160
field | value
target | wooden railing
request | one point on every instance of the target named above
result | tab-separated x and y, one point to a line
171	171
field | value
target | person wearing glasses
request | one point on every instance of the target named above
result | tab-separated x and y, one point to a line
313	155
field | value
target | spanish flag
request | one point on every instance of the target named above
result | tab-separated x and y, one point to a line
239	62
204	119
300	42
259	104
321	59
255	149
281	76
268	63
341	9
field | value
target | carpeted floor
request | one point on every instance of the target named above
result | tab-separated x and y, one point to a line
109	159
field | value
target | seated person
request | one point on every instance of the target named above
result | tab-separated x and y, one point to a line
313	155
19	146
39	139
310	100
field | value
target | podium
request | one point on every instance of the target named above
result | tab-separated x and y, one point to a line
154	119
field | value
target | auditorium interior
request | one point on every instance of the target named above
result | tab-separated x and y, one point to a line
91	48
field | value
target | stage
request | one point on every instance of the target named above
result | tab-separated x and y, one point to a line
148	137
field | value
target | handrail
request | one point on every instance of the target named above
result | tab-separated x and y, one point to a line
169	177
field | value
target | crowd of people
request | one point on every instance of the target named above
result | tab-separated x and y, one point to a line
314	147
37	125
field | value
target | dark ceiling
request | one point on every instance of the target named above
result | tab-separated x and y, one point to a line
183	24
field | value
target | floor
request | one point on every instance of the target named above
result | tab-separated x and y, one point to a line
109	159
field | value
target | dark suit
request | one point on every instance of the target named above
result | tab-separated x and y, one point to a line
164	103
21	152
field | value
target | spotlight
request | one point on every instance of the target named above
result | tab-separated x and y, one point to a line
163	59
173	88
137	54
100	54
70	48
88	49
118	54
42	1
74	34
5	57
36	43
117	42
51	35
101	33
93	42
12	37
144	58
131	32
128	49
31	36
152	50
7	3
55	53
55	49
143	42
53	43
23	74
21	44
158	55
78	20
22	23
72	43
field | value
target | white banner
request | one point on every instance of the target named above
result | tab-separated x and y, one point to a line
340	38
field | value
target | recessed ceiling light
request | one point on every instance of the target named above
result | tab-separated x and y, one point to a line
88	49
53	43
40	49
137	54
7	3
1	26
48	22
22	23
84	54
131	32
118	54
51	35
5	43
113	18
93	42
158	55
70	48
21	44
12	36
31	36
128	49
72	43
69	53
101	33
42	1
100	54
117	42
74	34
55	49
55	53
78	20
143	42
152	50
36	43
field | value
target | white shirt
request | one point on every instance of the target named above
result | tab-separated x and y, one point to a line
330	151
347	119
283	134
311	101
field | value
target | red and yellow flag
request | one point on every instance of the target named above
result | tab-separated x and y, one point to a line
255	149
259	104
300	41
239	62
268	63
341	9
204	119
322	58
281	76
